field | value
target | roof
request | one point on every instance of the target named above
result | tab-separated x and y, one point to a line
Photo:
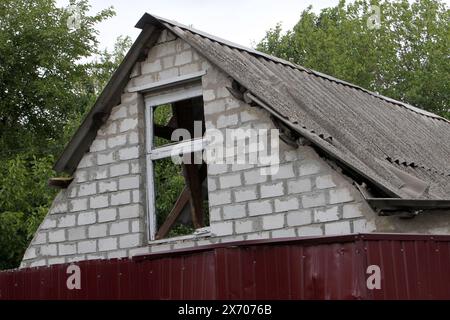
399	148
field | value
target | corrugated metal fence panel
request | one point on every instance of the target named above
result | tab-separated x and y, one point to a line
412	267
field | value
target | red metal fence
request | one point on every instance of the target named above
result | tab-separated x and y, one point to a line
412	267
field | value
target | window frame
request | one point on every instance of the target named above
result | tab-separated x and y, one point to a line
155	153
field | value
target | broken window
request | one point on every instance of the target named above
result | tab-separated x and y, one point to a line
177	190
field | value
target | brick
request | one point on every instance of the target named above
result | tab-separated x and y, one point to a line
214	168
324	182
60	207
129	241
98	145
326	214
59	260
87	189
66	221
133	138
107	186
100	201
48	250
119	169
340	195
121	227
273	221
117	141
259	236
151	67
87	246
337	228
120	198
219	197
212	184
105	158
129	183
168	74
285	171
97	231
259	207
137	226
227	120
165	49
215	214
117	254
234	211
284	233
86	218
78	205
118	112
287	204
129	153
299	186
30	253
222	228
245	194
168	62
272	190
108	214
309	231
128	124
248	116
66	249
183	58
298	218
57	236
313	200
77	233
40	238
38	263
48	223
107	244
308	168
87	161
130	211
244	226
139	251
100	173
254	177
352	211
214	107
209	95
363	226
228	181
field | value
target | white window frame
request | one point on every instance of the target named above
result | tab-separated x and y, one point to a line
152	153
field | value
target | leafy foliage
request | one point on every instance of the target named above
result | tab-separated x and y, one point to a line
49	77
406	58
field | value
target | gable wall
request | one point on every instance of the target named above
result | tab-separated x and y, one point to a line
102	214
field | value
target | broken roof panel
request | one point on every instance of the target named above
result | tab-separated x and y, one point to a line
368	131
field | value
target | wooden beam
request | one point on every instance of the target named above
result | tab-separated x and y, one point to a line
177	209
172	217
183	111
60	182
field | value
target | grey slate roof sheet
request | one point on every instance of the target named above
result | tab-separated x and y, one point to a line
369	131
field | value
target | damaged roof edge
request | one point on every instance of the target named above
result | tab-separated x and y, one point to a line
153	19
109	97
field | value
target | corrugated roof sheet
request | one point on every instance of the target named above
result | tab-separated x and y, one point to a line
370	132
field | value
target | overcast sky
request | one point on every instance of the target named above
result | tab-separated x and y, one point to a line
240	21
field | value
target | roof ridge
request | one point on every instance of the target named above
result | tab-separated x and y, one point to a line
147	18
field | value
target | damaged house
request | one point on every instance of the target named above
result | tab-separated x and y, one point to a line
350	161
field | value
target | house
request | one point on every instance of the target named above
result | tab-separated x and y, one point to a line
350	160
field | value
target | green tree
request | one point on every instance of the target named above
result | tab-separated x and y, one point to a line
406	58
50	76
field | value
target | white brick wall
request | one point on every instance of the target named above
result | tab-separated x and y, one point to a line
101	214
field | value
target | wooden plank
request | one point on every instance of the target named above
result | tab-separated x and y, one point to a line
183	110
172	217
